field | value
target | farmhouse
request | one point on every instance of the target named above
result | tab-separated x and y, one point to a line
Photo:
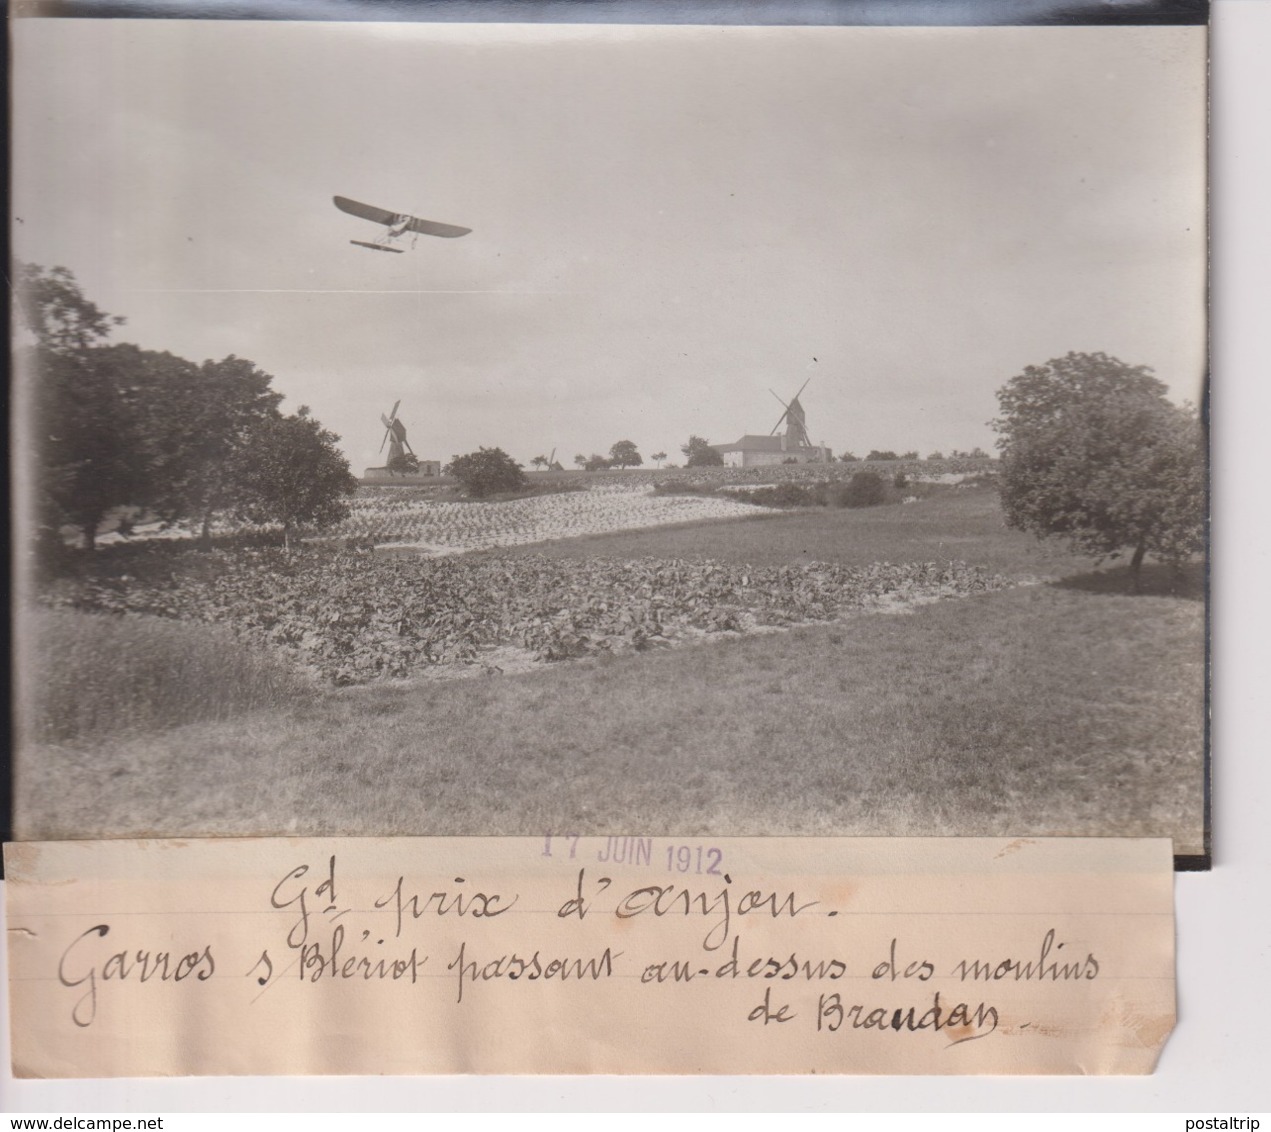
751	451
425	469
789	447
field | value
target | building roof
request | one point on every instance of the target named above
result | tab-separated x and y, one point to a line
754	444
762	444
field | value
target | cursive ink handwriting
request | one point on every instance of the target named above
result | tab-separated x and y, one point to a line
668	900
82	964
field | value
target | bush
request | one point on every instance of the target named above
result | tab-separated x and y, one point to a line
786	495
864	489
900	481
487	471
689	487
700	454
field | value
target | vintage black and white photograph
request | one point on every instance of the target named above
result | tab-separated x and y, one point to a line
561	430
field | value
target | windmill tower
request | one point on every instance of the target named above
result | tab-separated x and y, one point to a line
793	446
795	420
401	457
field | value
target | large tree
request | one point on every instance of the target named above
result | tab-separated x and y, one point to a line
624	454
92	454
1095	453
200	418
89	456
700	454
56	312
289	471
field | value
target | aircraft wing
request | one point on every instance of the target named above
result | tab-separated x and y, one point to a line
383	216
435	228
365	211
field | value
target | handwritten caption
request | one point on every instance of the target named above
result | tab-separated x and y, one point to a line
326	928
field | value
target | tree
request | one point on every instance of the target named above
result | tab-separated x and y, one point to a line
595	463
289	471
875	454
658	457
1094	452
850	458
487	471
539	461
89	455
56	312
198	419
624	454
580	460
700	454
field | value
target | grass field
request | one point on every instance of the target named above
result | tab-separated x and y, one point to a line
1063	708
957	523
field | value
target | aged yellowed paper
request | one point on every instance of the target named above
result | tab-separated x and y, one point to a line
590	955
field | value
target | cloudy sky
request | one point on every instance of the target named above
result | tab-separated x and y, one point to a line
667	222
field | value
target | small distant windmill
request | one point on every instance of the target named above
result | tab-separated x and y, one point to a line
795	420
401	457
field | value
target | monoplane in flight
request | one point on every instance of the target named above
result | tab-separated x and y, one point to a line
397	223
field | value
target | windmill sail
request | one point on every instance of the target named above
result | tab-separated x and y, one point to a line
794	419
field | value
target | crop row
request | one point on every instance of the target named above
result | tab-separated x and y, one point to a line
451	526
355	617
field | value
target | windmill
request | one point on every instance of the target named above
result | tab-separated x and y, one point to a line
401	457
795	420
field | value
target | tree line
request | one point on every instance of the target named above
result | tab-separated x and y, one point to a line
118	429
699	453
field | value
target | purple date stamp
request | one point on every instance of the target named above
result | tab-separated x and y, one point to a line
707	860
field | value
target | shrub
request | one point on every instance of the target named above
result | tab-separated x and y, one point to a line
864	489
786	495
487	471
700	454
688	487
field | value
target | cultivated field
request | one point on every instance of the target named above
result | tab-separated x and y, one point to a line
406	517
913	668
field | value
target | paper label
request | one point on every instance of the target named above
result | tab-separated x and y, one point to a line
590	955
